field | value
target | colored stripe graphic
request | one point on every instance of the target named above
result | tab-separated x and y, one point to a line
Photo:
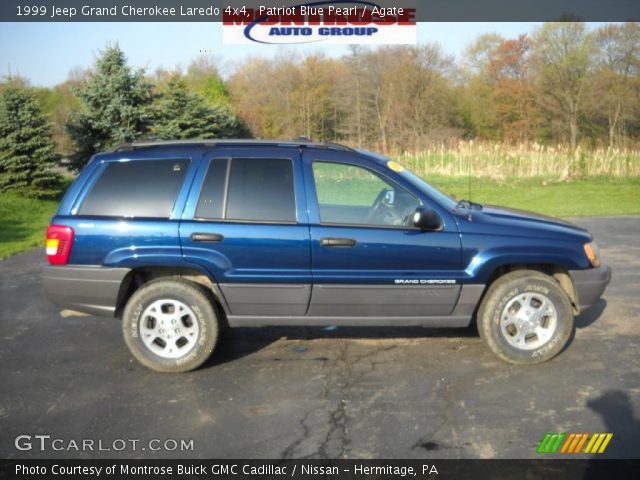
570	441
598	443
581	442
573	442
551	442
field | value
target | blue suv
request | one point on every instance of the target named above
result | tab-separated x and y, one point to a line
182	239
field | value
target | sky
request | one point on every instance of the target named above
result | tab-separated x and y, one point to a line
45	53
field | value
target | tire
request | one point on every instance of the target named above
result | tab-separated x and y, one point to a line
173	312
525	317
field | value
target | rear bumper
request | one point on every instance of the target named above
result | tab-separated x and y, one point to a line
590	284
85	288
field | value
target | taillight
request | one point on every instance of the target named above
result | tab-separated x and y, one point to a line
58	244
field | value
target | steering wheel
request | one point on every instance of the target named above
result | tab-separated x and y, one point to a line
378	207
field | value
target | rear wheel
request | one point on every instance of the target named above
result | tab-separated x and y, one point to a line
525	317
170	325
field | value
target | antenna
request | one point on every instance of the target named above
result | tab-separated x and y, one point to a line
469	180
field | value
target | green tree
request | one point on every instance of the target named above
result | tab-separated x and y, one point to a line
477	56
27	151
56	103
183	114
203	78
115	107
563	60
477	101
617	78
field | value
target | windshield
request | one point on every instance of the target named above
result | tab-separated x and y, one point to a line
440	197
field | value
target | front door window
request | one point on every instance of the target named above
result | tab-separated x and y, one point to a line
352	195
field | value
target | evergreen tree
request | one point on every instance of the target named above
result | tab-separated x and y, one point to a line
181	114
27	151
115	107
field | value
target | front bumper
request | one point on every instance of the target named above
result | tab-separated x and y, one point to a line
85	288
590	284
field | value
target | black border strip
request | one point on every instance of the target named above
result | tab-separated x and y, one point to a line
555	468
426	10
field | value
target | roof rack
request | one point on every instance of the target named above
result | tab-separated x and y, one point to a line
215	143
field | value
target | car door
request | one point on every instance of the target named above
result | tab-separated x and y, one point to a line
367	259
246	224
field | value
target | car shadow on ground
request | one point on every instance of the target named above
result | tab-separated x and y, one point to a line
592	315
236	343
586	319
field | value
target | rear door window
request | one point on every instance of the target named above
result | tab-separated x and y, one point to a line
248	189
136	188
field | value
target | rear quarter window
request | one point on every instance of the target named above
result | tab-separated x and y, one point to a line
136	188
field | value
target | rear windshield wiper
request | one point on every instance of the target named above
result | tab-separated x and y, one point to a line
469	205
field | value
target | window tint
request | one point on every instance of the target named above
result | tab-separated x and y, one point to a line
261	189
349	194
137	188
211	201
258	189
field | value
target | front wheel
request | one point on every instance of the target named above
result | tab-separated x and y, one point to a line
525	317
170	325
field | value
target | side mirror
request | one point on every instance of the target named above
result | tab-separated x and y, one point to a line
426	219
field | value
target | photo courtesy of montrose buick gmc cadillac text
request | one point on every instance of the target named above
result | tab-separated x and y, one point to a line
183	239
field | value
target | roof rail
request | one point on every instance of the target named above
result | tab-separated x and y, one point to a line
229	142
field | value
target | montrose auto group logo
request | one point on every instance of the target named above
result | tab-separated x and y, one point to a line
342	21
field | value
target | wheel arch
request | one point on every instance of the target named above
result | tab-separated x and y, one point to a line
141	276
557	272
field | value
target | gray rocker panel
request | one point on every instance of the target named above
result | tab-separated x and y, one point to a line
266	299
383	300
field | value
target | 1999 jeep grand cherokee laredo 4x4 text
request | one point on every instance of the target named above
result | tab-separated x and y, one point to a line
182	238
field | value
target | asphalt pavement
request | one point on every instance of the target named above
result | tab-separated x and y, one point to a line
309	392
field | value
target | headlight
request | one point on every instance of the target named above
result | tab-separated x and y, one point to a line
593	253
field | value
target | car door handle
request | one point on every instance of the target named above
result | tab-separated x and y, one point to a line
207	237
337	242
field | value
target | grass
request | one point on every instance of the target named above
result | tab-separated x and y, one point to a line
23	221
584	197
599	195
